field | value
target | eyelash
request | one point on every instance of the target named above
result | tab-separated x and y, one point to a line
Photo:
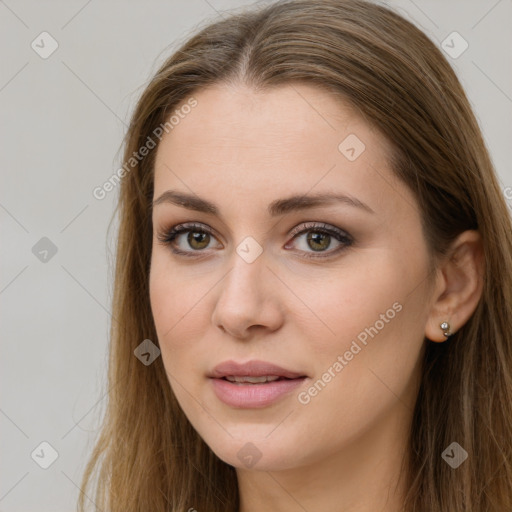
168	236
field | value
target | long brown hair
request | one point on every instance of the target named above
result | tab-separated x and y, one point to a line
147	455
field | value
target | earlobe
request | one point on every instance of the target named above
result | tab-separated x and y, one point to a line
457	297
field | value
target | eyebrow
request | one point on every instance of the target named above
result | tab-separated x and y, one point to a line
275	208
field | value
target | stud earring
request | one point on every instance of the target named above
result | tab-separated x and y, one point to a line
445	326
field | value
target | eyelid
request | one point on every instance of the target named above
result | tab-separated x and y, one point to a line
188	226
319	226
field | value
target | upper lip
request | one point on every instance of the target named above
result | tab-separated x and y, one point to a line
251	369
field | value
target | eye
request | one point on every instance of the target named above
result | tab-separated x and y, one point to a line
319	237
198	239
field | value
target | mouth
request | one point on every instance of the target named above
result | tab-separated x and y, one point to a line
234	370
254	384
246	379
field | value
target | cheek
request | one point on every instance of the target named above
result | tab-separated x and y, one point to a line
174	293
342	303
179	304
364	332
368	347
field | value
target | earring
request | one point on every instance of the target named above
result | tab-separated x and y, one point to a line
445	326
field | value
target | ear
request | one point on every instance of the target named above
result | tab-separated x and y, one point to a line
459	285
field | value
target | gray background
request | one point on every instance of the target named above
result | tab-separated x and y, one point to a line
63	119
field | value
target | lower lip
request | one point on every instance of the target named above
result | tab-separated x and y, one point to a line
250	396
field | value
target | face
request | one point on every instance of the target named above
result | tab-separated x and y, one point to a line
332	291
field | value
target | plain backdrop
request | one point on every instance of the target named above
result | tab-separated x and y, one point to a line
62	121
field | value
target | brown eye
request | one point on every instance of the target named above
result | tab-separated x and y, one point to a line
318	241
198	239
319	237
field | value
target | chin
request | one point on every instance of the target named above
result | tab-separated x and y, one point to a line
255	452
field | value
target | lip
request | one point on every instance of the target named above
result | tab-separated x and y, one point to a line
253	396
252	368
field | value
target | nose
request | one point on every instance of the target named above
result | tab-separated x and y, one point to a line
249	300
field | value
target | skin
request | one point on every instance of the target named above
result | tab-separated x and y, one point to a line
241	150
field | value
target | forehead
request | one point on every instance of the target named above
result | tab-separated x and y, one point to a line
297	116
256	145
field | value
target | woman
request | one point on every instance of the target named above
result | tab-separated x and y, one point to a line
313	288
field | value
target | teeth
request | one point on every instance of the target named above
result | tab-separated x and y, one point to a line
252	380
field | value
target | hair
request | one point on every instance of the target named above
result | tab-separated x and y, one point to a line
147	455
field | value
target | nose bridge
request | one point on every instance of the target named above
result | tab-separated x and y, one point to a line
248	263
244	284
245	297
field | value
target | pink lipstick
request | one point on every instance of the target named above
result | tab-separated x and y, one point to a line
254	384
